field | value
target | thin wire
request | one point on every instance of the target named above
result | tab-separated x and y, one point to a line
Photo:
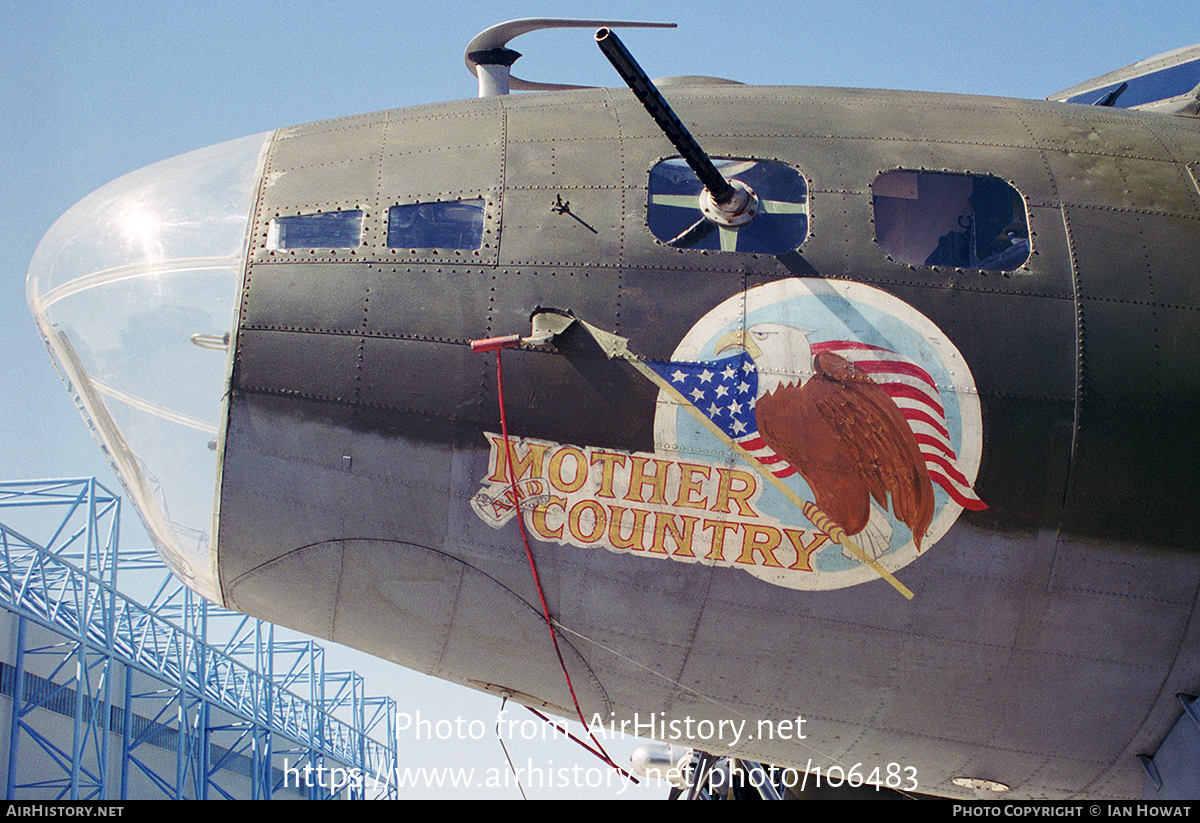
832	757
500	737
512	479
565	731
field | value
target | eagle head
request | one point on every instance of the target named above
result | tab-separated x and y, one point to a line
781	354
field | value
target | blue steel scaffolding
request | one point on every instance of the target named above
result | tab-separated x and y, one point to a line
177	698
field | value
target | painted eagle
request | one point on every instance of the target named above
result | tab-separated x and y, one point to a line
827	419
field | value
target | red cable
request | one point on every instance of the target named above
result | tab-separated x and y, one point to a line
567	732
512	479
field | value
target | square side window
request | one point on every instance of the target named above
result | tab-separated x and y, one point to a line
323	230
451	225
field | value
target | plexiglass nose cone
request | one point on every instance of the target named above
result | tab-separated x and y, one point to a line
136	289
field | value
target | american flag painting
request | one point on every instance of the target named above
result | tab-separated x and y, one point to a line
726	392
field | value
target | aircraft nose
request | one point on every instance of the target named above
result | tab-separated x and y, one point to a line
135	290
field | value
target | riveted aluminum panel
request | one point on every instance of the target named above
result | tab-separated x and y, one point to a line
423	377
1111	132
1032	351
592	293
435	155
1141	354
299	472
1023	167
1178	134
443	303
587	114
374	162
1120	182
1132	475
317	366
590	236
322	168
1101	237
606	398
349	123
502	641
298	589
851	113
562	166
397	601
611	601
312	297
314	332
655	315
442	153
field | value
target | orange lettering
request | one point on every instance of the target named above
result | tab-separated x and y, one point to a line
634	541
719	528
581	469
664	523
638	480
804	553
689	483
599	521
726	491
530	464
538	518
608	460
761	539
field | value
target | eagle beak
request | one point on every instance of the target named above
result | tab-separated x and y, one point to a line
739	339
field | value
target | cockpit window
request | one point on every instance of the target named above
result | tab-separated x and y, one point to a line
960	220
451	225
323	230
779	225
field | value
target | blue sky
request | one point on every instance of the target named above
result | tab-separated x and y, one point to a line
94	90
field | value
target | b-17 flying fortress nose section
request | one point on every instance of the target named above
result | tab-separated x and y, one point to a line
871	406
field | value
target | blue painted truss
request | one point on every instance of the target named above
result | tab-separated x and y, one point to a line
176	698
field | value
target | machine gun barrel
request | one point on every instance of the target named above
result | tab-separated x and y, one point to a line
644	89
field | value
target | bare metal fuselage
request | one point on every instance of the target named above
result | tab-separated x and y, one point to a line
1049	632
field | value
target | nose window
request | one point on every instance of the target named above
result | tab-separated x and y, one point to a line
136	290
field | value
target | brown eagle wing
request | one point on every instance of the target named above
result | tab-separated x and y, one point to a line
847	439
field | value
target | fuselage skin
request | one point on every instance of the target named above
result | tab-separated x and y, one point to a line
1048	634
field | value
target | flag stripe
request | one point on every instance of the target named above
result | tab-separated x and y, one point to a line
971	503
948	467
937	443
896	367
916	414
900	390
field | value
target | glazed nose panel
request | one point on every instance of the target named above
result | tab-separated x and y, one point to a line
135	290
